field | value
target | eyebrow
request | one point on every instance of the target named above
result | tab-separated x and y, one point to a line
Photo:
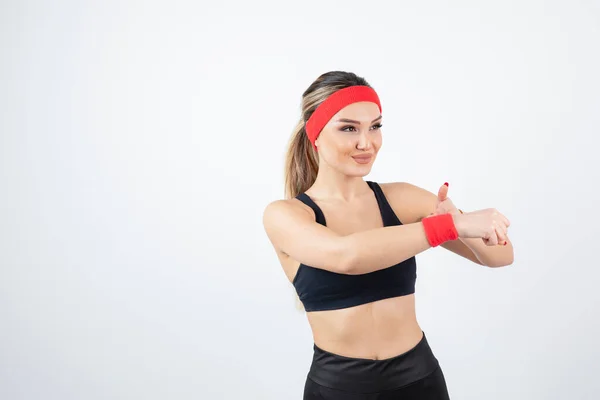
356	122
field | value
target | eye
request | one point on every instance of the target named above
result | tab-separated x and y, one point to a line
376	127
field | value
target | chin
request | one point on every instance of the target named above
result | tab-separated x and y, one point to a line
359	171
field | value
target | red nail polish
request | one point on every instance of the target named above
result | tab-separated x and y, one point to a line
446	183
505	243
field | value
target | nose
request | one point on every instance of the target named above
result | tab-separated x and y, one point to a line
364	141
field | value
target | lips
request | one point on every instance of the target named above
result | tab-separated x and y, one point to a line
363	159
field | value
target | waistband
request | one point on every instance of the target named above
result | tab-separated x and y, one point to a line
370	376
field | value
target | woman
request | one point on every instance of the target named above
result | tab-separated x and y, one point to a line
348	246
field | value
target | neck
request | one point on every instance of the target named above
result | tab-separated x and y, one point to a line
334	185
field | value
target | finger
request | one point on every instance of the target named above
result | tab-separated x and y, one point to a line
506	239
504	220
500	234
443	192
492	237
501	227
487	242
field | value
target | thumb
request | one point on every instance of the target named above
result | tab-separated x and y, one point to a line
443	192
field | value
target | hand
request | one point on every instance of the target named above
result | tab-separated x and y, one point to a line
498	225
489	225
444	204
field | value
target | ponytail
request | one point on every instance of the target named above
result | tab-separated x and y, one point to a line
301	163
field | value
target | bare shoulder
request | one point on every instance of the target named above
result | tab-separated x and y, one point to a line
284	207
410	202
283	212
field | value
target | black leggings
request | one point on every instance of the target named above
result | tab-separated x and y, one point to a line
413	375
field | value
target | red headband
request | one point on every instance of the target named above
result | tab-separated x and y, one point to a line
334	103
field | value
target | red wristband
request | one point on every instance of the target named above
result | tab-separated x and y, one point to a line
439	229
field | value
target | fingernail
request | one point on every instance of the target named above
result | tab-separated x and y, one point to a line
446	183
505	243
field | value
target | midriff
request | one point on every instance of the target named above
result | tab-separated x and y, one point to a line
378	330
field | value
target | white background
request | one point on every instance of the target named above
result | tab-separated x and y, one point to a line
141	141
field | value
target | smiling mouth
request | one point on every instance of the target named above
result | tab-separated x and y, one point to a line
362	159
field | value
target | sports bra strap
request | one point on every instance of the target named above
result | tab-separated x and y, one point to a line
387	212
303	197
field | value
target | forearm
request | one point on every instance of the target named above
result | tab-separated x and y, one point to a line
491	256
380	248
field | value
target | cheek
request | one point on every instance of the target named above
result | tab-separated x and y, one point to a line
377	140
343	146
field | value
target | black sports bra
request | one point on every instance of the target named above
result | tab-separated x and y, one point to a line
321	289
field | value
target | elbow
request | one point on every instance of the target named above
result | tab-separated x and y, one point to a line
347	258
503	258
501	263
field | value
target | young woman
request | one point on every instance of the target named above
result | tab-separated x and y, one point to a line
348	246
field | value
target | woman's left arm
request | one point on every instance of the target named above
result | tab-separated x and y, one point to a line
415	203
490	256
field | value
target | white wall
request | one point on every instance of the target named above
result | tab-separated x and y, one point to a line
141	141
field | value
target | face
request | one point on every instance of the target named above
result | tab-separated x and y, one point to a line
351	139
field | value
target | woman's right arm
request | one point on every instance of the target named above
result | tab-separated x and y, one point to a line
294	231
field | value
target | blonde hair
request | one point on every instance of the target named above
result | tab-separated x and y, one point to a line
302	161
